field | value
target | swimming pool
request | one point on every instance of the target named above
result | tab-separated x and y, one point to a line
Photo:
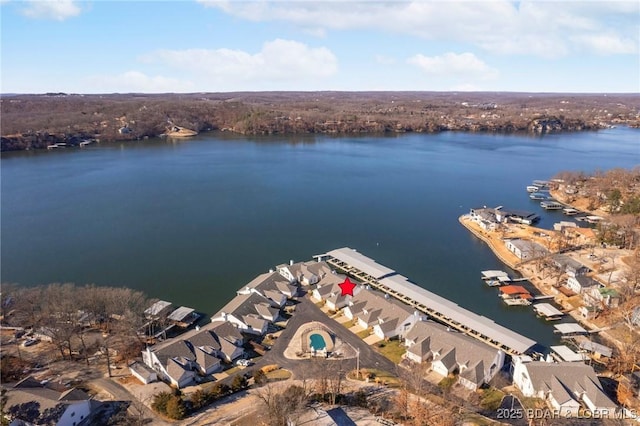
317	342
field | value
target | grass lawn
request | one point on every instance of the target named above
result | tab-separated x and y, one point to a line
491	398
232	370
392	350
279	374
362	334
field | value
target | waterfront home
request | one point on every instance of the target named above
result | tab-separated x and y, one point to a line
67	408
272	286
304	273
525	249
565	386
452	352
602	297
580	284
518	216
485	218
330	292
387	317
251	313
200	351
569	265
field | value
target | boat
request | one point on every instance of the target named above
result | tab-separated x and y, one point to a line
532	188
516	301
538	196
551	205
180	132
570	211
495	275
541	183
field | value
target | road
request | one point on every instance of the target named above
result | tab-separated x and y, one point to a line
306	311
119	393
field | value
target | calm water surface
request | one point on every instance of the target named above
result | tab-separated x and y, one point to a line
192	221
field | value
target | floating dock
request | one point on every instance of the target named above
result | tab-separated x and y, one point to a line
437	307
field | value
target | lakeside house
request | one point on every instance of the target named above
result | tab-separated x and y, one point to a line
329	291
580	284
525	249
251	313
450	352
565	386
569	265
304	273
30	402
387	318
198	352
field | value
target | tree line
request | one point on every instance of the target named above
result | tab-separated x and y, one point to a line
72	316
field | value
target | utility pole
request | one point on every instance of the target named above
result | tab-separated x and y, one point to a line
358	364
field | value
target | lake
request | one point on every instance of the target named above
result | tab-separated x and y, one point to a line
192	221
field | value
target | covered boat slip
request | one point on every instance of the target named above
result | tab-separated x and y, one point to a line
547	311
564	353
569	329
495	275
439	308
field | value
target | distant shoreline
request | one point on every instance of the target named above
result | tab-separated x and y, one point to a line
38	121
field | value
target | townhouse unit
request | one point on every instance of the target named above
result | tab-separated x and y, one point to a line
388	318
450	352
567	387
198	352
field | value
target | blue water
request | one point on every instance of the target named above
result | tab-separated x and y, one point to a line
317	342
193	221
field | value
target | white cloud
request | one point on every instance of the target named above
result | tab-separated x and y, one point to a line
607	44
542	28
454	65
279	61
136	82
58	10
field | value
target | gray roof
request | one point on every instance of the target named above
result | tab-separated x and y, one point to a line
568	262
547	309
476	322
181	313
227	331
528	246
361	262
177	348
177	371
30	390
421	348
205	359
596	348
157	308
569	327
587	282
564	377
468	350
474	373
389	307
141	368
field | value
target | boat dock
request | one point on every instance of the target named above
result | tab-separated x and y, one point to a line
551	205
437	307
548	311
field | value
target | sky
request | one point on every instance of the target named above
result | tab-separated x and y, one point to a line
186	46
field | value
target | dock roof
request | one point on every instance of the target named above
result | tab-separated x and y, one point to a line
361	262
451	310
566	354
547	310
181	313
569	328
513	289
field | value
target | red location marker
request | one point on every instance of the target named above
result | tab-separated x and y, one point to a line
347	287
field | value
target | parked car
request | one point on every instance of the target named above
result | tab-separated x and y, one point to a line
30	342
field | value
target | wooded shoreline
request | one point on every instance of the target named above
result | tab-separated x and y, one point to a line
39	121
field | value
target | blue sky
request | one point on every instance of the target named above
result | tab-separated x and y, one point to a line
105	46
